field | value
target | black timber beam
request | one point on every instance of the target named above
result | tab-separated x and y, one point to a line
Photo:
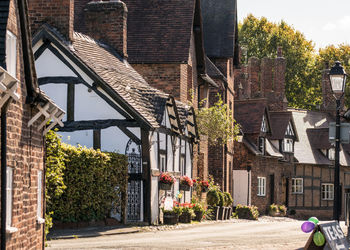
70	126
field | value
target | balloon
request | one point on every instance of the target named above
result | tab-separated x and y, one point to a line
314	220
319	239
307	226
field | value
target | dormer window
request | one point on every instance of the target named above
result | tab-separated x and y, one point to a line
329	153
287	145
289	131
263	125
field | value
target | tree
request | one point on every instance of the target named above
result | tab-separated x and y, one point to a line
261	38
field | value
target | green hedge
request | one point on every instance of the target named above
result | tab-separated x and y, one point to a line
91	178
247	212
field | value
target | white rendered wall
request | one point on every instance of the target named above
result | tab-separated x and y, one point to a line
113	140
57	93
177	152
83	138
240	187
162	141
154	200
170	158
49	65
188	161
154	151
90	106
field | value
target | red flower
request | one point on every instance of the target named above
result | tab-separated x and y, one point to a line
187	181
167	178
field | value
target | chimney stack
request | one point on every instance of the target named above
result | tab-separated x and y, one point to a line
253	77
57	13
106	21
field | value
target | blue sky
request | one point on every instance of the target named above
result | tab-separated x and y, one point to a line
324	22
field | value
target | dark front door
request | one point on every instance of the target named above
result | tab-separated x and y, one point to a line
285	188
272	188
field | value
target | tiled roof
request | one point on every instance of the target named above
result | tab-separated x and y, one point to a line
249	114
4	12
219	24
118	74
279	122
159	31
318	138
212	70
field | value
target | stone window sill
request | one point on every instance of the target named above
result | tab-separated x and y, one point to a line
11	230
40	220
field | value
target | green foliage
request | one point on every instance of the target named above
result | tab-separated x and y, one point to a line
333	53
187	210
247	212
198	208
175	210
273	207
282	209
54	182
216	123
213	197
228	199
261	38
221	199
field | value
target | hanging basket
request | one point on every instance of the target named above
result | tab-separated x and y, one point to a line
185	187
165	186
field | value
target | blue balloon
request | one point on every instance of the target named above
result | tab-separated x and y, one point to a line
307	226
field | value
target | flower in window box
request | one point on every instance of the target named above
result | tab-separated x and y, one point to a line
166	180
185	183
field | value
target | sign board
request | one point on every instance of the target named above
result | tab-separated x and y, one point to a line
344	132
168	203
334	236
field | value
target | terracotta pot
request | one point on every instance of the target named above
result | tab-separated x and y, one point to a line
185	187
165	186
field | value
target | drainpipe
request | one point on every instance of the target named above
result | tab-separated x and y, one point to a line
3	174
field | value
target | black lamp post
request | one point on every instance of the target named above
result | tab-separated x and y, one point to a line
337	77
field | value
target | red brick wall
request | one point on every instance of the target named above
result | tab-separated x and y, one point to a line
106	21
25	155
58	13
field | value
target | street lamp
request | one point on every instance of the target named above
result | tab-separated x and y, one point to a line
337	78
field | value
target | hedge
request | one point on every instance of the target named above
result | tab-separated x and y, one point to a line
247	212
94	180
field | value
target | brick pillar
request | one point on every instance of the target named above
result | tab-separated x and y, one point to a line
57	13
253	76
106	21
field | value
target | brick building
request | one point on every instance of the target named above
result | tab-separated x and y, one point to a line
285	157
25	111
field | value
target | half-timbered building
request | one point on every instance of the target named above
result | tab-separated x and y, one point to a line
109	105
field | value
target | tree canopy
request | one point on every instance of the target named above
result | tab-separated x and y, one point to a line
261	38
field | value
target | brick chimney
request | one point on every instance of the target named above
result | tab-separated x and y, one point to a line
253	77
57	13
106	21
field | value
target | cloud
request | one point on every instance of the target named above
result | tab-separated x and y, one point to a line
341	24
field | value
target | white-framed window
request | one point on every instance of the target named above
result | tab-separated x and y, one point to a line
327	191
182	165
162	159
331	154
264	127
11	53
39	212
287	145
261	186
290	130
297	185
9	180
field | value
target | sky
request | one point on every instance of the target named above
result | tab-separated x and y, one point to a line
324	22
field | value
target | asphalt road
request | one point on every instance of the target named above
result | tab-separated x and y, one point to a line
263	234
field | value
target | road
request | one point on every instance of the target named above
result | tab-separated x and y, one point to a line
266	234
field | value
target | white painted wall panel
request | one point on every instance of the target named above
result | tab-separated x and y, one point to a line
58	93
154	151
170	158
83	138
177	152
240	187
154	200
188	161
49	65
162	141
90	106
113	140
136	131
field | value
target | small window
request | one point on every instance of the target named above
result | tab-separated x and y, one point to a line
261	186
331	154
182	166
297	185
262	145
327	191
263	125
39	194
163	163
9	180
289	130
287	145
11	53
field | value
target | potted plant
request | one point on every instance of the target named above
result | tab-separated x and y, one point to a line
273	210
283	210
186	215
166	180
185	183
204	186
194	183
171	217
229	201
222	206
198	211
212	200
